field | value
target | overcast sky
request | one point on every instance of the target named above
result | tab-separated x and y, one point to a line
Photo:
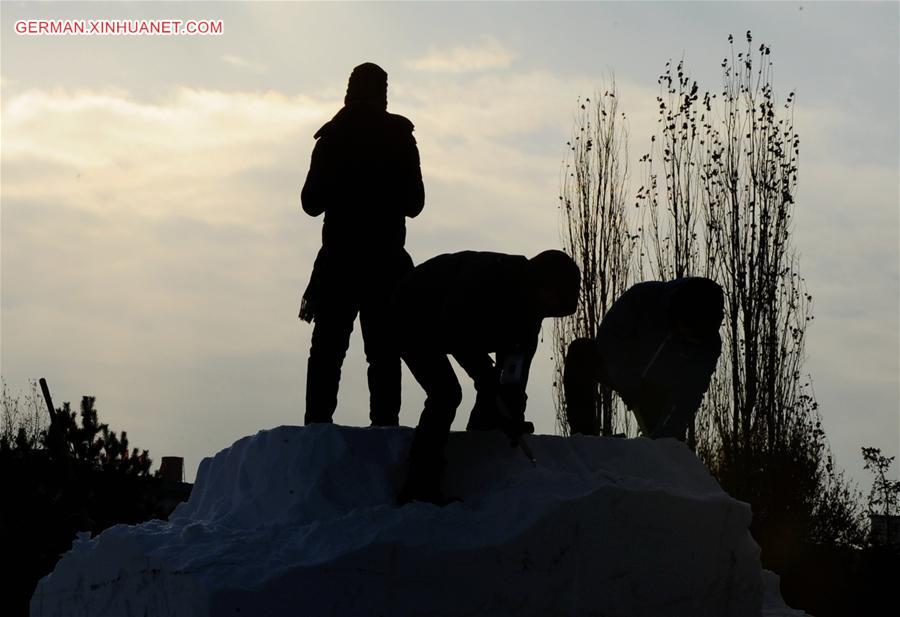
154	251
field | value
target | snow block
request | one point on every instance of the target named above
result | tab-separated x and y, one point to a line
303	521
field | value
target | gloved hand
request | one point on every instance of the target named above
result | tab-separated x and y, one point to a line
307	313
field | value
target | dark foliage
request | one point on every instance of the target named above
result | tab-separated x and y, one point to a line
838	581
884	498
62	478
718	200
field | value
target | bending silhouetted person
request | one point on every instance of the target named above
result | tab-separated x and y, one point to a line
470	304
364	175
657	347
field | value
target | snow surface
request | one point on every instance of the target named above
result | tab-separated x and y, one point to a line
302	521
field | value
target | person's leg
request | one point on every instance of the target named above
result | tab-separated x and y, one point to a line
580	378
480	368
379	341
649	404
426	455
384	373
330	339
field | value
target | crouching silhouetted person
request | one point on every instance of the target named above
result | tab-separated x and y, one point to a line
364	175
470	304
657	347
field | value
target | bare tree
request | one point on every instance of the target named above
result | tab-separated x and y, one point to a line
674	224
751	168
672	247
730	168
730	163
594	230
22	418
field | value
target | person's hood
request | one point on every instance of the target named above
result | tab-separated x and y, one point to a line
706	300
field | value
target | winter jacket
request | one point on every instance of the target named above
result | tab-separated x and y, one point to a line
364	175
468	301
472	303
654	366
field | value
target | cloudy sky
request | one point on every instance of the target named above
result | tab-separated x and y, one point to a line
154	251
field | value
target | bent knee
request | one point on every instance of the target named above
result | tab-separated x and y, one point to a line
453	396
447	396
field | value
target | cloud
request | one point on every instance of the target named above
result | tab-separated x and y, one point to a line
484	56
492	146
140	230
142	240
508	126
103	150
164	236
241	63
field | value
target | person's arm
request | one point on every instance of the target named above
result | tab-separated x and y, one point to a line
678	412
406	174
413	191
314	195
690	383
617	339
515	368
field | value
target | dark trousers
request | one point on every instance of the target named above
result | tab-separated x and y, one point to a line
486	377
581	374
443	395
346	293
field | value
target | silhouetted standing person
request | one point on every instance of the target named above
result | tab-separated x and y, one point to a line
468	305
657	347
364	175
